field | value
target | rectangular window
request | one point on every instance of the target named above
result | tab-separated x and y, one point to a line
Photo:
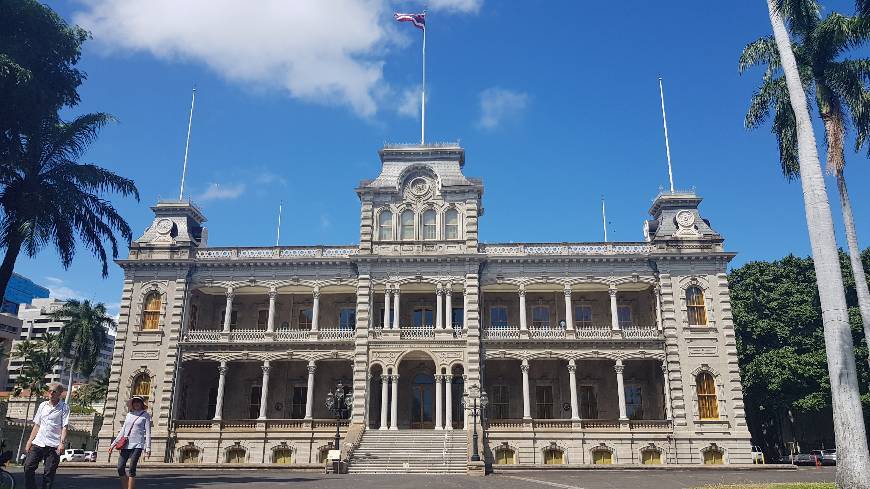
544	401
297	401
262	318
254	405
624	315
423	317
588	402
500	402
451	228
498	317
540	316
633	402
457	317
305	319
583	316
347	318
212	403
234	318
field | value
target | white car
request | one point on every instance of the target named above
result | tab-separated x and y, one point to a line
757	455
73	455
90	456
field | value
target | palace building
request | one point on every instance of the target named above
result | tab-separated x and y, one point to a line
573	353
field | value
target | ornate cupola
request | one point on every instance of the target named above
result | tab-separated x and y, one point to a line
173	234
677	222
420	203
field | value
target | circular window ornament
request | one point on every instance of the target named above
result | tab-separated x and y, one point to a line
164	226
685	219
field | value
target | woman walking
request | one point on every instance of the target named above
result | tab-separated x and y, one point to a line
134	438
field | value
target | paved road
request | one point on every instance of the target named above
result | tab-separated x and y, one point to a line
274	479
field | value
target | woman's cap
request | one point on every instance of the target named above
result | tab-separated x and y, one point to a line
138	398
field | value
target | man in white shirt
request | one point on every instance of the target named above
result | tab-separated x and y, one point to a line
47	438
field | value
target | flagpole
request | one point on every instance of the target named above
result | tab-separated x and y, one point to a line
604	218
278	237
187	144
423	92
667	144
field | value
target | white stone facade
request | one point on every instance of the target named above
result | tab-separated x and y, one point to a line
588	352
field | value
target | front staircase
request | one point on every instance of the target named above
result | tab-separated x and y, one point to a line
410	452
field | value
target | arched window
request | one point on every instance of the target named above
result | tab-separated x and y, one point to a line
696	309
407	225
189	455
708	406
650	456
142	386
553	456
282	455
505	456
236	455
451	224
713	456
429	224
385	226
151	312
602	456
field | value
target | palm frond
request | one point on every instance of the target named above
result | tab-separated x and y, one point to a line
802	16
761	52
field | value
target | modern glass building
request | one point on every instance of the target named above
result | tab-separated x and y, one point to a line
21	290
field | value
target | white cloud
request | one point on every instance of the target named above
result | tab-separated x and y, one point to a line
467	6
409	103
499	104
266	177
216	191
58	289
325	222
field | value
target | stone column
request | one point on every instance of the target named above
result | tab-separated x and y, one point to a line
527	406
667	386
572	378
228	312
524	326
657	293
439	308
439	408
222	380
614	310
396	316
264	390
385	399
315	310
569	310
620	384
385	322
394	404
309	391
448	412
273	295
448	306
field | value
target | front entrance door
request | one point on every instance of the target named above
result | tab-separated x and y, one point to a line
422	402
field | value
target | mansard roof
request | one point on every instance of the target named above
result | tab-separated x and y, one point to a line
398	161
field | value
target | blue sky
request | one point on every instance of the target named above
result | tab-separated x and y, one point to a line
554	106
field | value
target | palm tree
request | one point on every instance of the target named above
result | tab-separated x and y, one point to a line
85	329
48	197
838	86
39	359
852	458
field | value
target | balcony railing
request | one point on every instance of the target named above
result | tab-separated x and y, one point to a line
526	249
416	332
256	424
656	425
593	332
281	253
261	335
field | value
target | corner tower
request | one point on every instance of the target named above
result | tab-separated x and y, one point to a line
420	203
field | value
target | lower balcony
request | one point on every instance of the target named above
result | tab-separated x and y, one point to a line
646	426
261	335
257	425
592	332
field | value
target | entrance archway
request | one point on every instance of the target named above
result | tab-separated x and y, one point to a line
416	408
423	401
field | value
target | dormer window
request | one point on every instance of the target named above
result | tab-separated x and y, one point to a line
451	224
385	226
429	224
407	226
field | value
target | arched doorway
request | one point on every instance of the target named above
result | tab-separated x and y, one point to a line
423	401
416	391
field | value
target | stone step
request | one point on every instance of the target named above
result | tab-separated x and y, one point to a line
410	452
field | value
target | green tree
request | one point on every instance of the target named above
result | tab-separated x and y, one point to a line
854	471
93	392
48	197
84	332
837	85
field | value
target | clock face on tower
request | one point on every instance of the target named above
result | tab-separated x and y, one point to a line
164	226
685	219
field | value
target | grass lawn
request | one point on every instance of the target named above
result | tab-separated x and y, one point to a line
789	485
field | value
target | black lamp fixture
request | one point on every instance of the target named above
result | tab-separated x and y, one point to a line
469	402
339	404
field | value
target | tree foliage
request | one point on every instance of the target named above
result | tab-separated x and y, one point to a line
85	330
40	357
780	342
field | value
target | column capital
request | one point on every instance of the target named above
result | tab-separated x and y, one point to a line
664	367
448	289
223	368
439	290
524	367
568	291
572	362
229	292
273	292
619	367
394	377
439	377
396	290
521	291
572	368
315	292
312	368
266	367
612	290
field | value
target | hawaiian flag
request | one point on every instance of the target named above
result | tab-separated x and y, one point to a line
419	20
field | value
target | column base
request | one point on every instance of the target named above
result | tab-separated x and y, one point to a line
438	428
383	428
394	428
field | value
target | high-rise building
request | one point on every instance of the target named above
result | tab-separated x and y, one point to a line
21	290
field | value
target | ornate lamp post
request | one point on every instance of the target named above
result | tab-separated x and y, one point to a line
338	404
475	411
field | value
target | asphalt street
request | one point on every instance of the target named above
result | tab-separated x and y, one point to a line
76	478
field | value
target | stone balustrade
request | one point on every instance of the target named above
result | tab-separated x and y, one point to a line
261	335
652	425
279	253
270	425
531	249
595	332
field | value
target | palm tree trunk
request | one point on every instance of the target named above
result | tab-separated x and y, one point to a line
8	265
853	471
855	257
